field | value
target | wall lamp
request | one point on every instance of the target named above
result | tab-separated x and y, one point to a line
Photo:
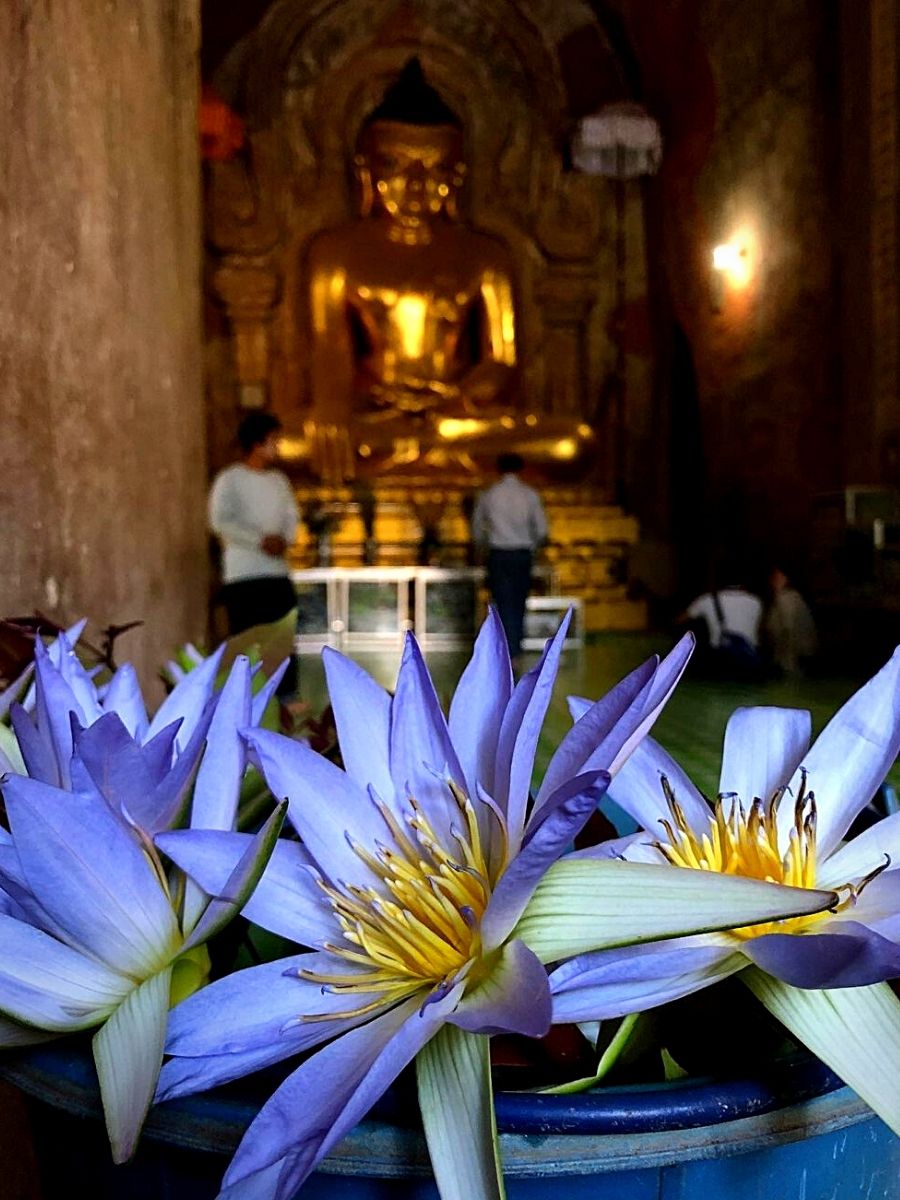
731	269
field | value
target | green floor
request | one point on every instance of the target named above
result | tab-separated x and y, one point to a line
691	726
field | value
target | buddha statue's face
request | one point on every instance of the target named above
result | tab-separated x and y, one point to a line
414	171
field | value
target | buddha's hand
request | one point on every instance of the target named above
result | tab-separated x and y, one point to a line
274	544
484	383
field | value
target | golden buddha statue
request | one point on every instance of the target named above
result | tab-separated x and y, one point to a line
412	311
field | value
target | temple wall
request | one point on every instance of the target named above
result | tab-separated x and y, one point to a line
761	175
102	458
870	267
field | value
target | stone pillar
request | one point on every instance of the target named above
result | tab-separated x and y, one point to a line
102	454
885	245
870	258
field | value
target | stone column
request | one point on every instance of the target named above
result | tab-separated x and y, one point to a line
885	245
102	454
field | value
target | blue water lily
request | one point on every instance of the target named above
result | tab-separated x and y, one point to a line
782	814
415	866
97	928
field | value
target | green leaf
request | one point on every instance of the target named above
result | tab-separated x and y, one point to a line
671	1069
608	1060
240	883
255	799
457	1104
190	972
128	1053
856	1031
270	644
585	904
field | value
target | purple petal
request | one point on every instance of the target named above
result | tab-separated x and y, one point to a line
853	754
263	697
254	1018
188	699
115	763
586	745
86	869
578	706
852	957
79	680
126	775
662	685
290	1136
123	696
165	807
563	817
36	747
218	786
48	984
878	907
519	735
325	804
287	899
478	705
54	706
13	692
362	716
612	983
226	903
634	847
514	998
421	750
20	902
638	789
763	748
159	751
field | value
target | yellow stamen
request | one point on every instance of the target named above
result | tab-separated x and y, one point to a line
420	928
744	841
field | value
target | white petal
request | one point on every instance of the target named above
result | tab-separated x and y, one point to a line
763	748
128	1052
638	789
455	1097
858	858
856	1031
588	904
853	754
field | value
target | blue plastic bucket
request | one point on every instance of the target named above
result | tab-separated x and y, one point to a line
794	1134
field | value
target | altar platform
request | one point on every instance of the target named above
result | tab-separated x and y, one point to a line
372	608
393	526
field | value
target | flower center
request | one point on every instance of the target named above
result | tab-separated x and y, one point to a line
743	840
421	927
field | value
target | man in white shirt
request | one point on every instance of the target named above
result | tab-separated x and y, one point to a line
253	512
741	610
509	523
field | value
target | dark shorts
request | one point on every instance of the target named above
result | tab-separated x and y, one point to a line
257	601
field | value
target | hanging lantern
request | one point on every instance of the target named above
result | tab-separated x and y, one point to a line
221	129
621	141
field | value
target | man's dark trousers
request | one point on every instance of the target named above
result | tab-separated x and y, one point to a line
509	581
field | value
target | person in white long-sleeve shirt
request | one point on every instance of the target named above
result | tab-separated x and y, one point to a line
253	512
509	524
